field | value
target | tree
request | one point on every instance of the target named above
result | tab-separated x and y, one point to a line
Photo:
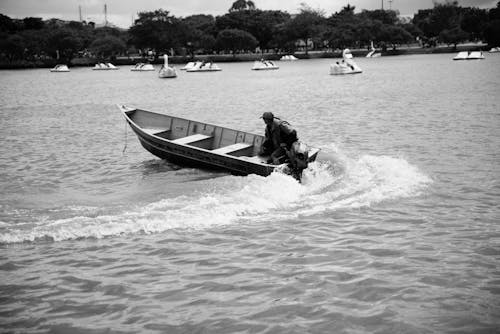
282	39
494	13
35	42
492	28
107	46
395	35
341	37
367	31
33	23
261	24
453	36
197	40
12	46
309	24
385	16
473	21
342	27
203	23
347	10
63	43
412	29
492	33
242	5
6	24
266	25
157	30
441	17
199	33
235	40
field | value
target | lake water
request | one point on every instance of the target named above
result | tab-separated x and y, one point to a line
396	229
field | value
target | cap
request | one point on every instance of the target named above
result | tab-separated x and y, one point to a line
267	115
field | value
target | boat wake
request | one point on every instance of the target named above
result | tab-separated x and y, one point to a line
336	183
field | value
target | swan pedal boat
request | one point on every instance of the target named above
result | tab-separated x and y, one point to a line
104	67
60	68
373	53
167	71
189	65
288	58
200	66
466	55
263	65
199	144
347	66
140	67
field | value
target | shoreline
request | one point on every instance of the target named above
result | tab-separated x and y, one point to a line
243	57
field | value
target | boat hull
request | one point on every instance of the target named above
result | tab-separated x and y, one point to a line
190	156
141	67
168	72
186	156
347	66
264	66
60	68
342	70
465	55
204	70
268	68
104	67
202	67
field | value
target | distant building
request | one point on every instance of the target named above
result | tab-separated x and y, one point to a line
405	18
107	25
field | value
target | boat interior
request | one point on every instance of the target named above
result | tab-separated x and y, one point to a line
214	138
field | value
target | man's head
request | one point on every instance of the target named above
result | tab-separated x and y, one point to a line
268	117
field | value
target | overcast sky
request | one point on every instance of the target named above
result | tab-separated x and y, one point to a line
122	12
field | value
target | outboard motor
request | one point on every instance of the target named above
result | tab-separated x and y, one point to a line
299	159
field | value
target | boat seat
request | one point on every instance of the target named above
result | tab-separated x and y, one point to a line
232	148
191	139
154	131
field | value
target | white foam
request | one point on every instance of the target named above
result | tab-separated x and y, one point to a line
327	186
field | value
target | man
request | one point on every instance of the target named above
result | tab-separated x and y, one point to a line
279	137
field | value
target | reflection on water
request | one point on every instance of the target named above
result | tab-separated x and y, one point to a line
158	166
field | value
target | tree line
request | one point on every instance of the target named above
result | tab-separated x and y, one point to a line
245	28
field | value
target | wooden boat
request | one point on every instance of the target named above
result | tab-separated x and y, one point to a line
205	145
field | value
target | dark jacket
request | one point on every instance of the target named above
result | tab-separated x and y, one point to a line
277	133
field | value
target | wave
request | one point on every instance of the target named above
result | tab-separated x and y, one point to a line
339	182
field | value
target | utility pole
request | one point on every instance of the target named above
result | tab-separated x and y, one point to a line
105	15
80	13
390	4
382	4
